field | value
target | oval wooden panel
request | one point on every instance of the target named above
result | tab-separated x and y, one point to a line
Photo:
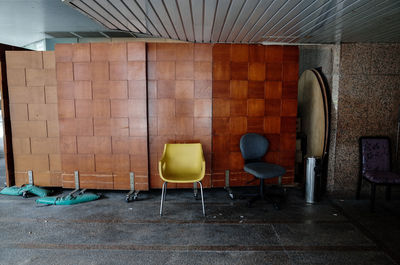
313	112
324	92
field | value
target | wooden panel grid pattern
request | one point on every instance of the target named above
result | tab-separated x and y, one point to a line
106	102
33	113
254	90
102	114
179	99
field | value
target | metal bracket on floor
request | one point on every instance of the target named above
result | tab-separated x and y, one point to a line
77	190
133	194
25	194
30	176
227	188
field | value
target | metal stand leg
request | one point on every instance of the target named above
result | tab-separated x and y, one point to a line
133	194
227	188
163	194
202	199
30	176
77	187
195	190
26	194
77	190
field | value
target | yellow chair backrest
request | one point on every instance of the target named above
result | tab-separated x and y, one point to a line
183	158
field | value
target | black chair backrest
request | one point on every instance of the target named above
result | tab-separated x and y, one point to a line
375	153
253	147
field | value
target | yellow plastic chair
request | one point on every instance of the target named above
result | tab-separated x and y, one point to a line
182	163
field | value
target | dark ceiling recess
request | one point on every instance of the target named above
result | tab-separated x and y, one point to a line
60	34
89	34
94	34
118	34
250	21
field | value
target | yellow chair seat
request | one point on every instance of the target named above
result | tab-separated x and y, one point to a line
183	178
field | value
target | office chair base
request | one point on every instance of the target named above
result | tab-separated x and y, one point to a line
266	197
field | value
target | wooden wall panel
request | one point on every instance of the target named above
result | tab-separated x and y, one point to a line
33	114
102	112
254	90
112	103
179	91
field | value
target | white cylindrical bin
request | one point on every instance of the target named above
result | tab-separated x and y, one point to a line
310	179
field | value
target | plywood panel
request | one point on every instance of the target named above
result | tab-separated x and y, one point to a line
102	110
254	90
34	115
194	91
180	105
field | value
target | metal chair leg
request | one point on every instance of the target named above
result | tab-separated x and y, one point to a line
202	198
163	194
262	195
359	183
388	192
373	189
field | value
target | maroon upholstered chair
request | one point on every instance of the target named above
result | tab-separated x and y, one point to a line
375	166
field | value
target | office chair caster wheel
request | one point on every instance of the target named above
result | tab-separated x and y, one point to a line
276	206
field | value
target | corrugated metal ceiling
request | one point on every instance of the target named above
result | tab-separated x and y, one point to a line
251	21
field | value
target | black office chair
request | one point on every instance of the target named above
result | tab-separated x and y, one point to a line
253	147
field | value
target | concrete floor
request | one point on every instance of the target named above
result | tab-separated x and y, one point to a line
110	231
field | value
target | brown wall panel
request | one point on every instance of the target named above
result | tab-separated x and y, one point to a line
102	112
194	93
180	86
254	90
34	118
